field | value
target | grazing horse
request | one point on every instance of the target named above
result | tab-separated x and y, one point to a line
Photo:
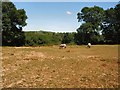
62	46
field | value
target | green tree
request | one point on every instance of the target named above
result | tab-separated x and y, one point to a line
12	22
90	29
117	10
111	26
86	34
56	38
68	38
94	15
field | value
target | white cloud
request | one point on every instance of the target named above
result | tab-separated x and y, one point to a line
68	12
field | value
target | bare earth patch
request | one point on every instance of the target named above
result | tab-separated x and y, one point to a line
51	67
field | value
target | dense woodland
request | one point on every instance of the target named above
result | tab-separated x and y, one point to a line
48	38
99	27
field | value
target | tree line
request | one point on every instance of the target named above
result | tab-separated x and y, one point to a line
36	38
99	26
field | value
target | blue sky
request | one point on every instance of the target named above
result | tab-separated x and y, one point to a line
56	16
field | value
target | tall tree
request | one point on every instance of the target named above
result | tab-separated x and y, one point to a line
117	25
92	18
68	38
12	22
111	26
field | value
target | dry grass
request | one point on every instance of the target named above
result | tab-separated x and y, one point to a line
51	67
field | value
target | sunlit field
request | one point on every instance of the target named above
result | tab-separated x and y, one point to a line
51	67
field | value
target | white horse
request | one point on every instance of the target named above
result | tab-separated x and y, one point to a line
62	46
89	45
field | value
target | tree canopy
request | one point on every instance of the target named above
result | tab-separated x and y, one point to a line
89	30
12	22
99	25
111	26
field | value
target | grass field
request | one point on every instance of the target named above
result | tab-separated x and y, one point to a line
51	67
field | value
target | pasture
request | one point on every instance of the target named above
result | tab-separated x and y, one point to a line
51	67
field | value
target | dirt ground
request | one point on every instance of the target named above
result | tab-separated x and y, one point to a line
51	67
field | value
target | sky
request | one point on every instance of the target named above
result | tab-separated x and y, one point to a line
56	16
